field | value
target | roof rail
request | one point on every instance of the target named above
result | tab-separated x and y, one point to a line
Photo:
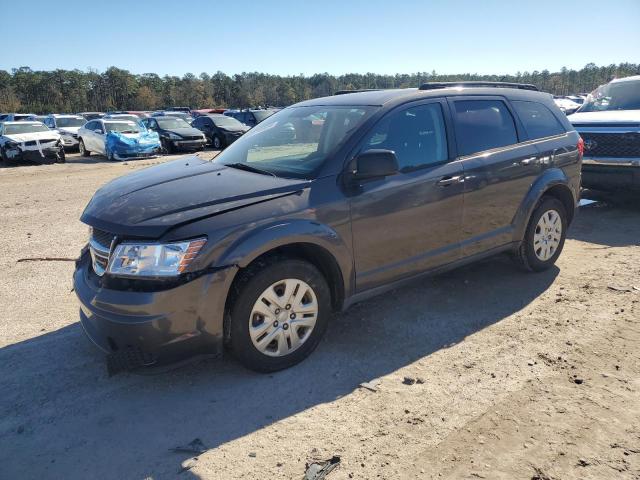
436	85
344	92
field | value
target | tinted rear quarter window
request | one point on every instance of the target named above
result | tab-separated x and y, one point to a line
538	120
483	125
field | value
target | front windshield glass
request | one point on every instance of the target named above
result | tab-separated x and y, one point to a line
224	121
614	96
296	141
18	128
263	114
169	123
70	122
122	127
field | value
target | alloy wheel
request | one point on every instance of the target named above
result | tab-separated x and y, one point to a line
283	317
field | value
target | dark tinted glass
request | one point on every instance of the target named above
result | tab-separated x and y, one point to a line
417	135
483	125
537	119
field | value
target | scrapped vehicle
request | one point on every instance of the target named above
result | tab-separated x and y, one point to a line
67	126
175	134
250	117
255	249
91	115
17	117
220	130
29	142
184	116
566	105
122	116
207	111
118	139
179	109
609	123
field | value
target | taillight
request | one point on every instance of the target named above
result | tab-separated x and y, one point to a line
581	146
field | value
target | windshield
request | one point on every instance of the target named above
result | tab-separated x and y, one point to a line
263	114
122	127
169	123
224	121
14	129
614	96
293	142
70	122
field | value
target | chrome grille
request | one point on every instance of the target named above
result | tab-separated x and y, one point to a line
100	246
622	145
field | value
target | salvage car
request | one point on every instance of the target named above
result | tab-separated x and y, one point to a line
255	249
175	134
220	130
29	142
91	115
67	126
17	117
118	139
566	105
250	117
609	123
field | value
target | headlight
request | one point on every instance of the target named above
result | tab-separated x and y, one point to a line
173	136
154	259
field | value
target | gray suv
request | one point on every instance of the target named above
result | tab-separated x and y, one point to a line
322	205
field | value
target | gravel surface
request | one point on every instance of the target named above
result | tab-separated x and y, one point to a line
483	372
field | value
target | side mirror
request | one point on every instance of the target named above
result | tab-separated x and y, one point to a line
97	130
376	164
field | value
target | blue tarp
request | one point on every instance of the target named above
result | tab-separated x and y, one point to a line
120	145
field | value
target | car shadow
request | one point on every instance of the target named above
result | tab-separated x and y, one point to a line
608	220
62	417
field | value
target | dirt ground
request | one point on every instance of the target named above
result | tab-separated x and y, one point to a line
509	375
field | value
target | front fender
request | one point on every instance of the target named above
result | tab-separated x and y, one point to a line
549	179
251	245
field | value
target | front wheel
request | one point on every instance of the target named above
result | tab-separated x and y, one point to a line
216	143
62	157
82	149
544	237
279	314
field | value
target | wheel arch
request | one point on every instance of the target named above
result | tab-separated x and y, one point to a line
554	183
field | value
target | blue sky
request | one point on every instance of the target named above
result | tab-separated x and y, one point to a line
293	37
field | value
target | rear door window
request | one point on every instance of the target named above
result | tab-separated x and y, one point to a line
483	125
538	120
417	135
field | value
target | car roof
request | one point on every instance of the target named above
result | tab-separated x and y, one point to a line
626	79
396	96
63	115
23	122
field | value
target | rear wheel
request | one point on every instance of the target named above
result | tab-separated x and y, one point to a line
280	312
544	237
82	149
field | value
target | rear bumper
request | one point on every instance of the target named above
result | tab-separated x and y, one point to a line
611	173
162	326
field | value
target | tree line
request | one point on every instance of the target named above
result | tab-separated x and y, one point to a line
37	91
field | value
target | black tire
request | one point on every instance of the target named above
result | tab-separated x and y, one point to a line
247	290
82	149
8	162
216	143
62	157
168	147
526	255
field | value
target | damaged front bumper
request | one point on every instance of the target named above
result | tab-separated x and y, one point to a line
36	152
150	328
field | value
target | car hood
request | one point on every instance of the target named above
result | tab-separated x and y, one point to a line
26	137
235	129
610	116
185	131
149	202
69	129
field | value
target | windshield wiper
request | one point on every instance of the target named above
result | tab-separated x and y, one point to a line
249	168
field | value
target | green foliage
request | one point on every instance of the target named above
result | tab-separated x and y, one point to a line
34	91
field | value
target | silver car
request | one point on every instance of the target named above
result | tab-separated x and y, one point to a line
67	126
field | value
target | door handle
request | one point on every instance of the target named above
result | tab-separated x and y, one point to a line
446	181
529	161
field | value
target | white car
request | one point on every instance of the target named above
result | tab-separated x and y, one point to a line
67	126
117	139
31	142
567	105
